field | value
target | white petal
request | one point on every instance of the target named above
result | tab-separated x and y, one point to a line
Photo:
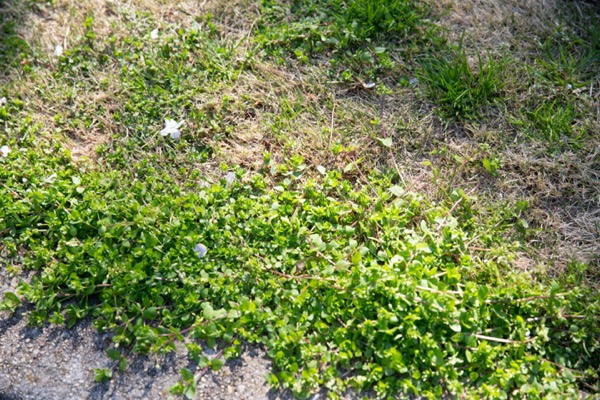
170	125
154	34
2	101
172	128
230	177
4	150
369	85
51	178
200	250
58	50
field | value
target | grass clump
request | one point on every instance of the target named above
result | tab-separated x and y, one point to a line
15	53
86	57
571	58
358	38
460	89
170	74
371	288
12	48
553	123
157	77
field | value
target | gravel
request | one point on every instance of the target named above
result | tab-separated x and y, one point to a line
53	362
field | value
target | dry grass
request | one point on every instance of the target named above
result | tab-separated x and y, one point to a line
563	189
497	25
63	22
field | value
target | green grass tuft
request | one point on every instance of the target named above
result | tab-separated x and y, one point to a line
358	37
14	50
569	58
553	123
460	89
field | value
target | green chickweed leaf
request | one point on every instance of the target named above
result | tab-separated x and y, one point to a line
387	142
103	375
177	389
150	313
113	354
187	375
190	391
216	364
10	302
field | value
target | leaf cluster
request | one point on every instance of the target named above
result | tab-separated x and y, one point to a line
371	288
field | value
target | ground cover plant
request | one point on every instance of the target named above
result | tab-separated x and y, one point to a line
359	39
373	282
362	192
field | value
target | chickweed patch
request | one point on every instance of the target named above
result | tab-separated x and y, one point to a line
370	287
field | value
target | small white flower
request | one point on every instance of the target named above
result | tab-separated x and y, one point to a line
4	150
58	50
154	34
569	86
2	101
51	178
172	128
200	250
230	177
413	81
